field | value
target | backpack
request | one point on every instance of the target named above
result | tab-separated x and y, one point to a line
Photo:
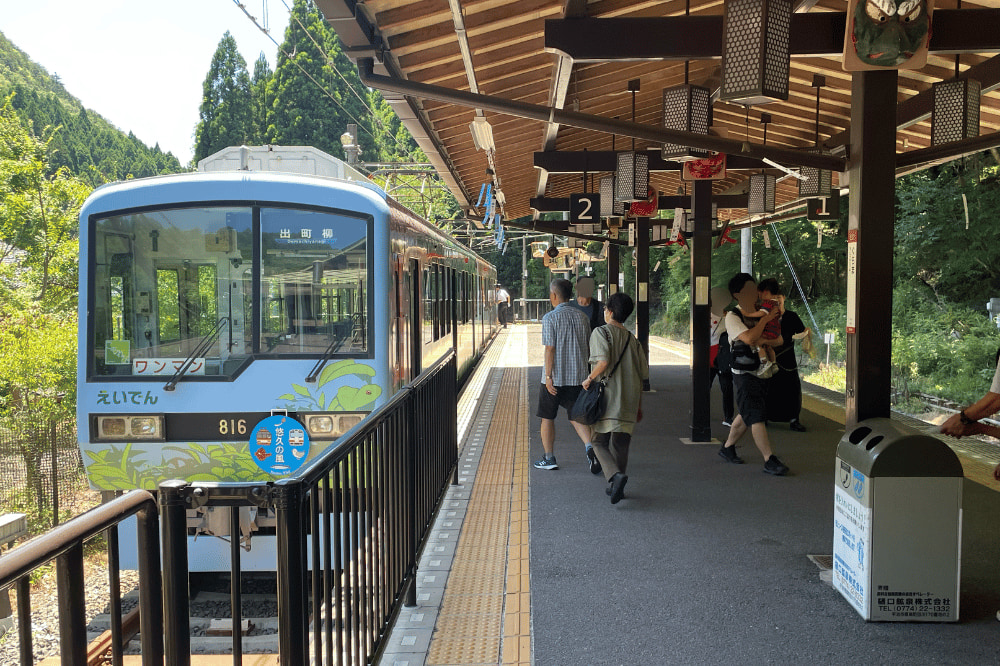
742	356
723	359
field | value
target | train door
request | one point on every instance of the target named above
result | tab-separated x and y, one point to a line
453	307
397	328
186	304
415	319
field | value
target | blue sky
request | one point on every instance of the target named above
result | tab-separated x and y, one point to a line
138	63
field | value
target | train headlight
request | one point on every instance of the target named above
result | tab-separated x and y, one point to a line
148	427
330	426
111	426
145	427
320	425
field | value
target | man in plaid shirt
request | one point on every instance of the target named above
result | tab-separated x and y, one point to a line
566	338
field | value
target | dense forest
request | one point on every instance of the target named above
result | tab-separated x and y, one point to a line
78	139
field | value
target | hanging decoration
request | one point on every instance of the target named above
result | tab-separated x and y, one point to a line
956	110
708	168
816	182
632	181
644	208
762	189
887	34
755	51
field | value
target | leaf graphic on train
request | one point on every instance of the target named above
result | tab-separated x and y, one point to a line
113	468
350	398
301	390
321	400
286	396
344	368
214	462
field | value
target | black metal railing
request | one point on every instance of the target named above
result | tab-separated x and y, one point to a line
350	528
65	545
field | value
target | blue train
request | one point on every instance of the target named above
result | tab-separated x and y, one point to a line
275	283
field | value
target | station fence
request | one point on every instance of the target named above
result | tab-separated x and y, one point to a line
350	529
65	544
532	309
40	466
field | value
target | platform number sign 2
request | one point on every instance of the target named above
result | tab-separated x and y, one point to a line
585	208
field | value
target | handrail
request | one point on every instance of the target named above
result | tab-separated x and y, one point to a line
65	545
383	480
317	467
200	349
33	554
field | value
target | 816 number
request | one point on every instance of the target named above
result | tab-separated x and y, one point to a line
232	427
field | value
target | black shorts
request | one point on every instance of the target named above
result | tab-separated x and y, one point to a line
751	397
548	404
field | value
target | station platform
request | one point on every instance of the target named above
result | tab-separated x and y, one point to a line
703	562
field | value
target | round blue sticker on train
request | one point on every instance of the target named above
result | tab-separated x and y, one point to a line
279	444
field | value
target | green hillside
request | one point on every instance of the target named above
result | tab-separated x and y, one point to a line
84	142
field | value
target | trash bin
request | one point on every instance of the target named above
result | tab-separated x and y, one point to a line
897	523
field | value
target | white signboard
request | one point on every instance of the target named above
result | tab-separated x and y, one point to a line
852	537
146	367
852	278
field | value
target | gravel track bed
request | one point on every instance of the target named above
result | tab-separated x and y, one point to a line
210	600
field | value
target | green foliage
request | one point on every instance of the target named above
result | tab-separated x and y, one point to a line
113	468
937	254
227	103
86	144
38	305
301	113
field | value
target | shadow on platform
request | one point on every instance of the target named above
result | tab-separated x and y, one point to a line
706	562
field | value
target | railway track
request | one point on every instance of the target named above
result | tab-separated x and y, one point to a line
210	618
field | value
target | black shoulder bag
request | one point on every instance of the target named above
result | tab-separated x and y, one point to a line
589	406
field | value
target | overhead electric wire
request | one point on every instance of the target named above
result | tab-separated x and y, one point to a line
795	276
330	60
364	102
308	75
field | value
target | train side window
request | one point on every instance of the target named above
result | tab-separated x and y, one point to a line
429	312
446	275
437	302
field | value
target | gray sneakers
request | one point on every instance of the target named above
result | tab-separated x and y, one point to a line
546	463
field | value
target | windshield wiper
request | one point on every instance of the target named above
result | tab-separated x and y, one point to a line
199	350
327	355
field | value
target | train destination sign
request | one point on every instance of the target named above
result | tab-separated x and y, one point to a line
279	444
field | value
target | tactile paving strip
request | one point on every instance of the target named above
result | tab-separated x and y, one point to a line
484	616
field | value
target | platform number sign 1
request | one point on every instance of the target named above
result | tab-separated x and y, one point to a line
585	208
825	209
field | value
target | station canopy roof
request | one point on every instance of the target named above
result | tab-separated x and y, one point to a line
579	56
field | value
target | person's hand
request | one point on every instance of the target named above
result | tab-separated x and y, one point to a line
996	472
586	383
638	418
549	386
954	427
775	312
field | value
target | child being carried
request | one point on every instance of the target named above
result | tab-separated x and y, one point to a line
770	338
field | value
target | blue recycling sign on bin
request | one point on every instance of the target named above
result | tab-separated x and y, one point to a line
279	445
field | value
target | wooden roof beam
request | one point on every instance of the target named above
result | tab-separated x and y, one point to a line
700	37
919	107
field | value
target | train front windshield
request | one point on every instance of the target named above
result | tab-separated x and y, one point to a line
171	284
